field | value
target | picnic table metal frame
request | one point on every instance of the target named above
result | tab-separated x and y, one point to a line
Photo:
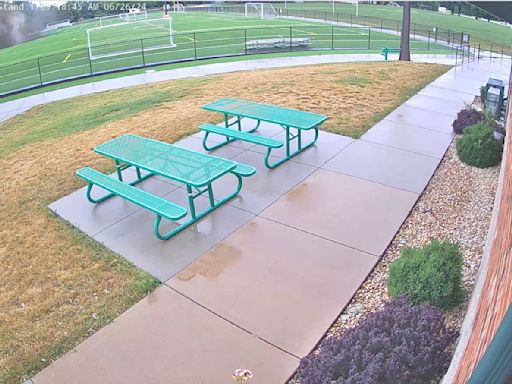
289	136
200	189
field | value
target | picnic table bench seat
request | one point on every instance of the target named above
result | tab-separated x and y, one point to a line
243	170
231	134
197	171
155	204
289	119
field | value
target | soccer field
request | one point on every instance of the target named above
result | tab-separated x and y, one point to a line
481	31
195	35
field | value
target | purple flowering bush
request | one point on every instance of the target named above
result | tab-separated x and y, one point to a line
466	118
402	343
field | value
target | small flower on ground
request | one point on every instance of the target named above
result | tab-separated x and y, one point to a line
242	375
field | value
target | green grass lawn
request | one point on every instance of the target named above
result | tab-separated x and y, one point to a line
58	287
481	31
64	54
115	75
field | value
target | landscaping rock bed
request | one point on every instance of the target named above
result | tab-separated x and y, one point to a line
456	206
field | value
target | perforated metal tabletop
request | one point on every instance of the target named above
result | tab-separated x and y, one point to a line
176	163
265	112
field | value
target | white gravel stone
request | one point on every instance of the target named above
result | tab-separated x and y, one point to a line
456	206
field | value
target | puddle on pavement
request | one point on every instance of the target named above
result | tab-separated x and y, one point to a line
211	265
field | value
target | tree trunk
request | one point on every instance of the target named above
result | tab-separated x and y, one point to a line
405	51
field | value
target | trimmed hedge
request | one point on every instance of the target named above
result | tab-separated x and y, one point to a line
478	147
466	118
430	274
401	344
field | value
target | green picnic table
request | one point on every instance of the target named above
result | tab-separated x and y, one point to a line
196	170
287	118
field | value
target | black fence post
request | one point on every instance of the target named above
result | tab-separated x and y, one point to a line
381	24
428	41
436	34
478	51
369	40
142	51
291	46
491	50
245	40
39	70
90	62
332	38
502	51
195	46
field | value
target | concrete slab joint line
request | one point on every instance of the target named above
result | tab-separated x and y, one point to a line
290	292
257	282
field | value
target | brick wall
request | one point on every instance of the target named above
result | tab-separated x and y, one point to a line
496	294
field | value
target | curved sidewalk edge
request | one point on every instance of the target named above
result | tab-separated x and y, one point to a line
248	305
15	107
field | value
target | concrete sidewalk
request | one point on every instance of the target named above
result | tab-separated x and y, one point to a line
15	107
258	282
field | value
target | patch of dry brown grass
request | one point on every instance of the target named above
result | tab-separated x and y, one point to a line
56	285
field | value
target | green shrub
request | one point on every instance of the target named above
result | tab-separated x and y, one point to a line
478	148
429	274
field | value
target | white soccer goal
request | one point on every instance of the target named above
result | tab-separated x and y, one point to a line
178	7
134	15
261	10
107	20
129	37
355	3
122	18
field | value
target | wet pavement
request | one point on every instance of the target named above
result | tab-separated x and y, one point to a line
258	282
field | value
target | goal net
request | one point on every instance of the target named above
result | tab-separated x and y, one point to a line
178	7
122	18
261	10
129	37
134	15
355	3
